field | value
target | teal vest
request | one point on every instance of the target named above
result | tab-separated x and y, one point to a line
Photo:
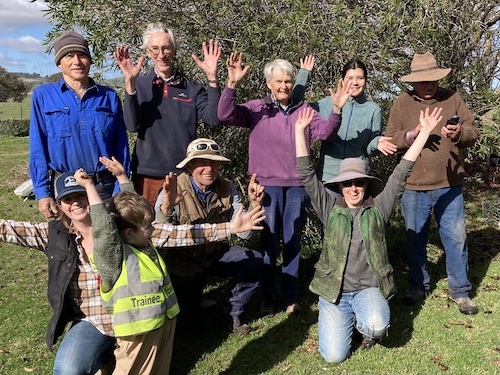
329	270
142	295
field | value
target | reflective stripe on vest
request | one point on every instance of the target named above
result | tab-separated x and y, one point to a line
141	296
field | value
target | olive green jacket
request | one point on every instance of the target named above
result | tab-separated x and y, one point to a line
327	281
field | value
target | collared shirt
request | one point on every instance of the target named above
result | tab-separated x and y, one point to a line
166	80
108	244
68	133
278	105
203	196
83	288
84	284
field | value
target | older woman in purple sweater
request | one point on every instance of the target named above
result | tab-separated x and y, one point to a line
272	158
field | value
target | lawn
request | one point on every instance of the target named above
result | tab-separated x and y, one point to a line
15	111
433	338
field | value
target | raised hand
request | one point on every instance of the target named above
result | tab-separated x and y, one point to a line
122	58
83	179
305	117
255	192
307	62
429	121
116	168
210	63
385	146
113	165
340	97
170	196
243	223
235	69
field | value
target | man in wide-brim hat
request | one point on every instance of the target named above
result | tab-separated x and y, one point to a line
437	178
209	198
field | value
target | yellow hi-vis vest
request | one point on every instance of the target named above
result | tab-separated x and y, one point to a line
142	295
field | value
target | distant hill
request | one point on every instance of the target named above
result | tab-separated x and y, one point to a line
33	80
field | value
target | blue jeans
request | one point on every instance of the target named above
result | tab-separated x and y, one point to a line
286	214
448	207
367	309
83	350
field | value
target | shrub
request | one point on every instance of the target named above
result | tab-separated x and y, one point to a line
15	128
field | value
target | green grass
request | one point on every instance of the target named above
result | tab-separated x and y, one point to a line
15	111
430	339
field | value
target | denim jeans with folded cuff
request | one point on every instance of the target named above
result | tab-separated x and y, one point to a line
366	310
448	207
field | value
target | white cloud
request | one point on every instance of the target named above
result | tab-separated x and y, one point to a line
18	14
25	43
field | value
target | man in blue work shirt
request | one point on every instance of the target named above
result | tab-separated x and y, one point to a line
73	123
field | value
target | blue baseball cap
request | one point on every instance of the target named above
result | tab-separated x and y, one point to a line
66	184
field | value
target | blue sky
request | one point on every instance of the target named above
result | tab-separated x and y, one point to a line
22	31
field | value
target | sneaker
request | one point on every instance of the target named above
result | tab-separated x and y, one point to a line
414	296
230	323
293	308
266	309
465	305
368	342
240	329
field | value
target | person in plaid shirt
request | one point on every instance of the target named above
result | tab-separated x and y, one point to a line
73	282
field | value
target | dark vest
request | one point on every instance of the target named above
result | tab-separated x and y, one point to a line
328	276
193	261
62	255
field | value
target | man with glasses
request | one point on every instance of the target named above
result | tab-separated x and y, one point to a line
163	106
72	123
209	198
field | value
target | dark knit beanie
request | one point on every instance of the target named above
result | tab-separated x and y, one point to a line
70	41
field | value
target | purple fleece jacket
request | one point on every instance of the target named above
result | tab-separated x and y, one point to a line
271	146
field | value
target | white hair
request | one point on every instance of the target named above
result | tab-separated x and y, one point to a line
157	27
278	64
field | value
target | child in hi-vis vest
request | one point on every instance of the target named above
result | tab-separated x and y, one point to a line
135	285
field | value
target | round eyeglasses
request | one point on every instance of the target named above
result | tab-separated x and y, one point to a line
156	50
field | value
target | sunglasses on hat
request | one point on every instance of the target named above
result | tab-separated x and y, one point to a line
204	146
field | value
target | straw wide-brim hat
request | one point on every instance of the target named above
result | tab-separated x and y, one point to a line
203	148
425	69
353	169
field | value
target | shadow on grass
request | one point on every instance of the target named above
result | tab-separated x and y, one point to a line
273	347
484	247
190	348
281	339
264	352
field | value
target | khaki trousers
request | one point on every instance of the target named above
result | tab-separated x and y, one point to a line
147	354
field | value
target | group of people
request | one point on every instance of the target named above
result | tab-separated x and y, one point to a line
116	268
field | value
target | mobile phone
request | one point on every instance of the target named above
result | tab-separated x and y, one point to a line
453	120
